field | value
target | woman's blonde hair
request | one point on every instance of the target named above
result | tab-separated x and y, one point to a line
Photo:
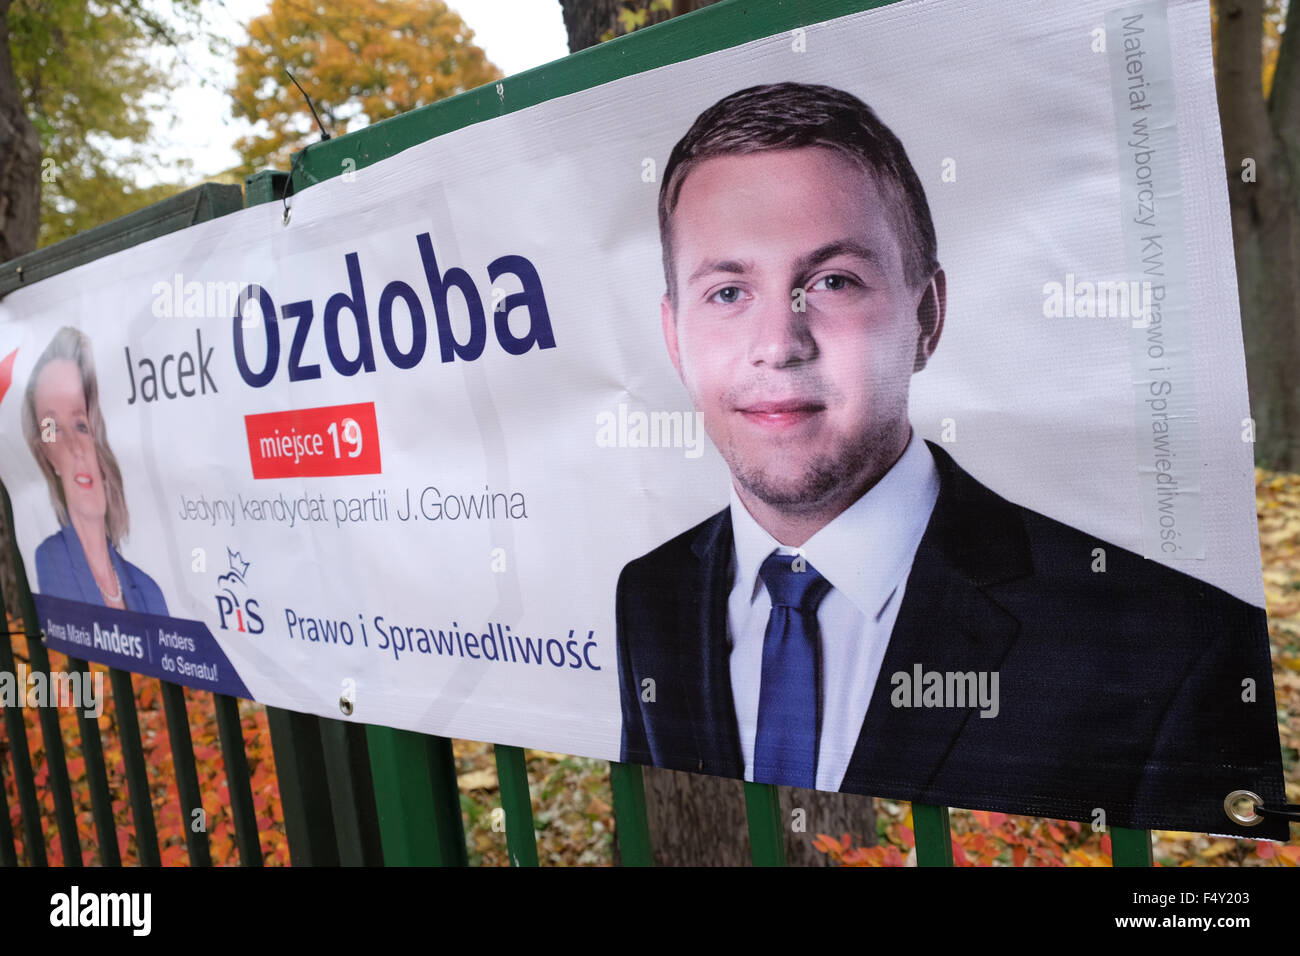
74	345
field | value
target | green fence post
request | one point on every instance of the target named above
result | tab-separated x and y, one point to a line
235	755
186	773
415	791
517	802
933	835
92	750
630	817
1130	847
352	793
137	772
304	788
766	835
24	778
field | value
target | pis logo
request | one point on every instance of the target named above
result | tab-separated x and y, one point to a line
244	614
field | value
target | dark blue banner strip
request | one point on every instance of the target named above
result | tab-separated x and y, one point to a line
171	649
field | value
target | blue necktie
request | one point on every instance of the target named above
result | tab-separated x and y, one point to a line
785	748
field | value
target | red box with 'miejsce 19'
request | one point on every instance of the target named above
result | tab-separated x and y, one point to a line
314	442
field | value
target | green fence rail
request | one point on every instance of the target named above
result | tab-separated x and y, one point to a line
358	794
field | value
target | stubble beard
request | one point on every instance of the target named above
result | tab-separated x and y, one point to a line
824	483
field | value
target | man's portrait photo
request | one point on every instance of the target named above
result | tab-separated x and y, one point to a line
865	616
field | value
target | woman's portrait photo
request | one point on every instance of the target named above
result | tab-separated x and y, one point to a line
65	431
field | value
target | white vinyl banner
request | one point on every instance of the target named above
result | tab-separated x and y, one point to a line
949	315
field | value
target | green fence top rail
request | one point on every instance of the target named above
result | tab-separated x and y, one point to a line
207	201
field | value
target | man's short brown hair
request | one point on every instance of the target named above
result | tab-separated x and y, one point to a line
794	115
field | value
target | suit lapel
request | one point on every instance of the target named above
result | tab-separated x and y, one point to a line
90	593
709	701
80	566
947	622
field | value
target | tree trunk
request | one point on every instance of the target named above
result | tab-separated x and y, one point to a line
20	209
695	819
587	20
699	820
1265	219
20	159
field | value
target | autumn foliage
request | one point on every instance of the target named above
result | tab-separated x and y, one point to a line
360	61
171	820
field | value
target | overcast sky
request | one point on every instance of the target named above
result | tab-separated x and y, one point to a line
516	34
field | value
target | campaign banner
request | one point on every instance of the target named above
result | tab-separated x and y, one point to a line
862	408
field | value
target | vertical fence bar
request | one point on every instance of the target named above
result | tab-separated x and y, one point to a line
133	762
766	835
1130	847
24	779
55	759
304	788
352	793
51	733
416	797
517	802
92	751
448	823
630	817
186	773
240	789
933	835
8	854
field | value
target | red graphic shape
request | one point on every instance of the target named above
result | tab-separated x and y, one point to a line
314	442
7	372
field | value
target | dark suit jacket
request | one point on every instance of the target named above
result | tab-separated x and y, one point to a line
1119	690
62	571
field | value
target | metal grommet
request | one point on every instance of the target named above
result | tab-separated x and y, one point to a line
1232	807
345	705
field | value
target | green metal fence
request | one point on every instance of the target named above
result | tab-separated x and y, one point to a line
360	794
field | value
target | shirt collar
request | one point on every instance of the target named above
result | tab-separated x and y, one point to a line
867	550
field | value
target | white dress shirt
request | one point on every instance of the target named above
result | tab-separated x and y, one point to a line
866	554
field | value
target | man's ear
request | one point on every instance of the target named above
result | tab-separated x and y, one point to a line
930	311
668	319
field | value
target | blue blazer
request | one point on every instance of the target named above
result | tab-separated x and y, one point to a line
62	571
1120	690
